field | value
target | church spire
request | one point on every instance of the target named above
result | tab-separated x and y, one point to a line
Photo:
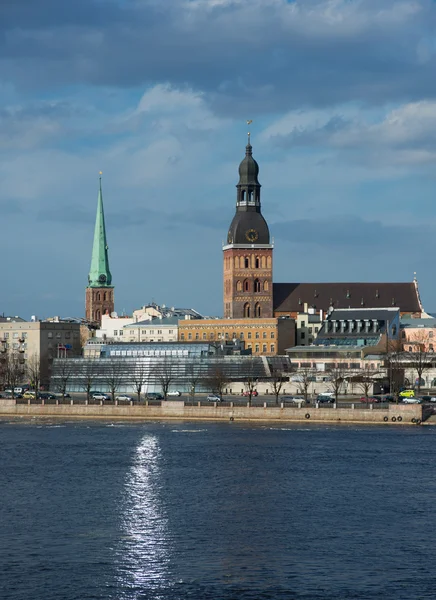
99	273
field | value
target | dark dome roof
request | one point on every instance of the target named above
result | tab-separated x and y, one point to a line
244	222
248	169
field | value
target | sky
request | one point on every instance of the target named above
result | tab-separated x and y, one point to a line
156	94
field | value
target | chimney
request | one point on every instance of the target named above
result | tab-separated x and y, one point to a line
305	307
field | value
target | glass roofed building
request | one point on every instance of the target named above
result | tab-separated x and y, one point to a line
181	366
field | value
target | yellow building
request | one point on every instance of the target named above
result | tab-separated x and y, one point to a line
265	337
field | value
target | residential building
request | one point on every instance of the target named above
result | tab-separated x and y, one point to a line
418	334
42	340
154	330
308	324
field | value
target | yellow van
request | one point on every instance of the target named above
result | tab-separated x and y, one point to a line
407	394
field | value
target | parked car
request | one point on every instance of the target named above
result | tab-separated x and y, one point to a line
100	396
213	398
29	394
410	400
92	392
154	396
370	399
325	399
46	396
428	398
124	397
407	394
174	394
254	393
295	399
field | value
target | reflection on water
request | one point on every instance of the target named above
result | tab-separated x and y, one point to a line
143	554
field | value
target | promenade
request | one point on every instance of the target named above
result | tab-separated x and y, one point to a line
391	414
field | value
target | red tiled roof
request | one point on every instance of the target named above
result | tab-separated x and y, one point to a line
291	297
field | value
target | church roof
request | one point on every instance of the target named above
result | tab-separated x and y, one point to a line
99	273
291	297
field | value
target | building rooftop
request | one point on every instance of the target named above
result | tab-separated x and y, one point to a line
156	322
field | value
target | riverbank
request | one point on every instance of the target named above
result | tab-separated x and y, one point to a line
177	410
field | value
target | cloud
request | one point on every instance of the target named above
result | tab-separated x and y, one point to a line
246	57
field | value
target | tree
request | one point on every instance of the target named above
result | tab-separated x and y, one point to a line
140	377
394	363
64	371
165	374
338	373
217	379
305	377
277	380
194	376
249	377
364	379
12	370
88	376
419	358
113	375
33	369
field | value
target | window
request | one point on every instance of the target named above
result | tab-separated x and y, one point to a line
310	340
144	332
219	336
58	334
257	310
264	335
212	336
303	324
204	335
272	348
249	335
151	331
15	335
24	335
171	331
7	335
257	348
264	348
246	262
316	329
197	336
121	332
430	334
246	286
248	345
273	334
430	347
241	335
310	329
226	336
15	345
182	337
410	349
257	262
257	336
67	335
246	311
256	285
302	335
189	336
159	332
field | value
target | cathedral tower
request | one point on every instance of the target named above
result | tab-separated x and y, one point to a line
248	253
100	292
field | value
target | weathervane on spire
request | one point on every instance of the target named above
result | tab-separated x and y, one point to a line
249	122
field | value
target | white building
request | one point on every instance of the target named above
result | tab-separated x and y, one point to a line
155	330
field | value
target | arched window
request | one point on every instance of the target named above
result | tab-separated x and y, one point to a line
246	311
263	262
98	297
246	286
105	296
257	310
246	262
239	286
257	262
256	285
265	286
242	195
97	315
250	196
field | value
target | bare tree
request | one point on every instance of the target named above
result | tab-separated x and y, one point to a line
217	379
195	376
249	377
64	370
33	369
12	370
394	363
165	374
88	375
364	379
277	381
140	377
113	375
419	358
305	376
338	373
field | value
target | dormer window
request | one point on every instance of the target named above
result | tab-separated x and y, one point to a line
348	294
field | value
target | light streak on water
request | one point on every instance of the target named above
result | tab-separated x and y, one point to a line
143	554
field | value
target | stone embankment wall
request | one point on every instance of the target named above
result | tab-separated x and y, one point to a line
394	414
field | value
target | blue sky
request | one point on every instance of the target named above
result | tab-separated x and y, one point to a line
156	93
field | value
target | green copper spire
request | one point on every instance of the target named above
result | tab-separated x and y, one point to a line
99	273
